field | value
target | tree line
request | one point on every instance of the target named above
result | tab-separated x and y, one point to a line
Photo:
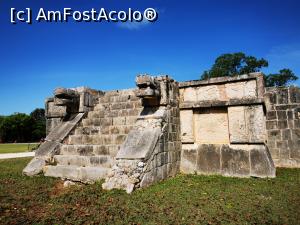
22	128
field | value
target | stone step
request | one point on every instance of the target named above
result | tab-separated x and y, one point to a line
109	121
96	114
94	130
84	161
88	130
100	139
119	99
83	174
89	150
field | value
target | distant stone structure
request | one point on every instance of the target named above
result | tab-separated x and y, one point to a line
135	137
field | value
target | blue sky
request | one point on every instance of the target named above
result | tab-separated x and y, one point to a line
183	42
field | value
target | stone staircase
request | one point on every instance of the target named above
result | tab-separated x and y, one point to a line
89	152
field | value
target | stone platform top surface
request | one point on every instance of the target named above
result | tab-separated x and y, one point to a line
217	80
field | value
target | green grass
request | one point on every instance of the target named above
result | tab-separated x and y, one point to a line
14	148
185	199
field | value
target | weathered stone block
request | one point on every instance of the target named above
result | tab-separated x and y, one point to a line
130	120
83	174
114	130
256	123
237	124
53	110
290	115
159	159
87	122
106	121
235	161
127	129
283	149
47	149
274	135
97	140
52	123
294	95
187	128
281	115
239	90
189	94
296	123
34	167
139	144
271	125
120	139
290	124
119	121
208	159
113	150
282	96
297	113
100	150
147	179
295	149
211	126
286	134
274	152
87	139
188	159
271	115
208	93
261	162
96	122
133	112
295	133
282	124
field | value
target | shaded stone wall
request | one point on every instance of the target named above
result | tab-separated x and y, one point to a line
283	125
54	114
223	127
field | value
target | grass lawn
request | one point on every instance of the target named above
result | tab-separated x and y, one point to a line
185	199
14	148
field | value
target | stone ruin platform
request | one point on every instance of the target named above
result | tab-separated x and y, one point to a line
135	137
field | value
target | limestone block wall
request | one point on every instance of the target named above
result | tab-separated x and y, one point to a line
223	127
83	145
165	160
151	151
283	125
106	127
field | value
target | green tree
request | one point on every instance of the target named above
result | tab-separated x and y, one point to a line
233	64
16	128
38	114
39	126
2	118
283	78
20	127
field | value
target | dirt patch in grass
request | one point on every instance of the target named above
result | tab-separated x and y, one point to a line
58	189
185	199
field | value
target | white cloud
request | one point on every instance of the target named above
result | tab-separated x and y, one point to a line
133	25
